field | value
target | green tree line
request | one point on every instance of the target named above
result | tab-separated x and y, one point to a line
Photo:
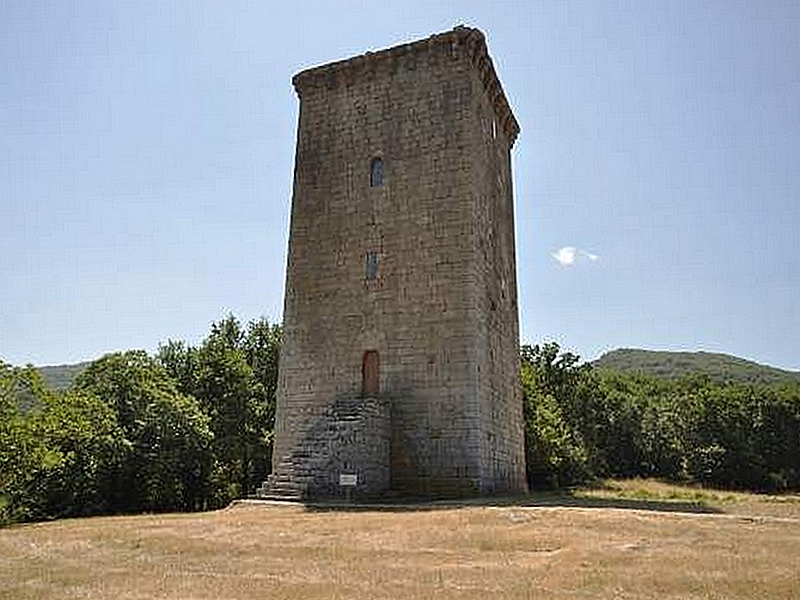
191	428
187	429
582	423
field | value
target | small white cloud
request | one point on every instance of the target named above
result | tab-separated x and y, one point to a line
566	255
569	255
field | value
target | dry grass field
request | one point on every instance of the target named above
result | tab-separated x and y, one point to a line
623	540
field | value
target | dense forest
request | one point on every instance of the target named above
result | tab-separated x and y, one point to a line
191	427
187	429
584	422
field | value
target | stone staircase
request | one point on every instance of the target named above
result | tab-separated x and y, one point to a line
292	480
343	439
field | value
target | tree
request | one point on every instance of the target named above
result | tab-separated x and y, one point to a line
54	453
233	374
19	449
168	457
555	452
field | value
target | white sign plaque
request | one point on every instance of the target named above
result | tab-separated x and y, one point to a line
348	479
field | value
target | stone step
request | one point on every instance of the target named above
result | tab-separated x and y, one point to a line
266	494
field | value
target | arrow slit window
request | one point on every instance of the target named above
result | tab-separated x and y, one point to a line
371	264
376	173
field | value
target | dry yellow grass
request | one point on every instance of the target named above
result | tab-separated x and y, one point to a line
581	546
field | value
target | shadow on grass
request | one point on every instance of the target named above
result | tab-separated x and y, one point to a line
561	499
580	501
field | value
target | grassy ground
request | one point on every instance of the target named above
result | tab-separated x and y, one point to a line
626	539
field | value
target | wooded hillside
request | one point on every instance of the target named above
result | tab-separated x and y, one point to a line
61	377
674	365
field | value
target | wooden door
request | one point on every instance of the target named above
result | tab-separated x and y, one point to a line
370	373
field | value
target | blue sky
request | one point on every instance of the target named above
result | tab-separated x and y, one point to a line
146	156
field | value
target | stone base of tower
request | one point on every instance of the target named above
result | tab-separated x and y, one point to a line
352	451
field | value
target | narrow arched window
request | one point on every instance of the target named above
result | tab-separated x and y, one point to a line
371	264
370	382
376	173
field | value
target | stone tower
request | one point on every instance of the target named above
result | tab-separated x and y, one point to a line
399	373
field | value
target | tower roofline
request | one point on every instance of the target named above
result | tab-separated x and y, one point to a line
342	72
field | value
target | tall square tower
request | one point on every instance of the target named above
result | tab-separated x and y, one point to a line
399	372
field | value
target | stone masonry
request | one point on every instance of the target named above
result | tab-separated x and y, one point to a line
399	373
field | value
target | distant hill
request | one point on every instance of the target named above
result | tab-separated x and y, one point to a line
671	365
60	377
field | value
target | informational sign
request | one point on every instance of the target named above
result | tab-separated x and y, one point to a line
348	479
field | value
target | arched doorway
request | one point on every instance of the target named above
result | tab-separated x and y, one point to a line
370	374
